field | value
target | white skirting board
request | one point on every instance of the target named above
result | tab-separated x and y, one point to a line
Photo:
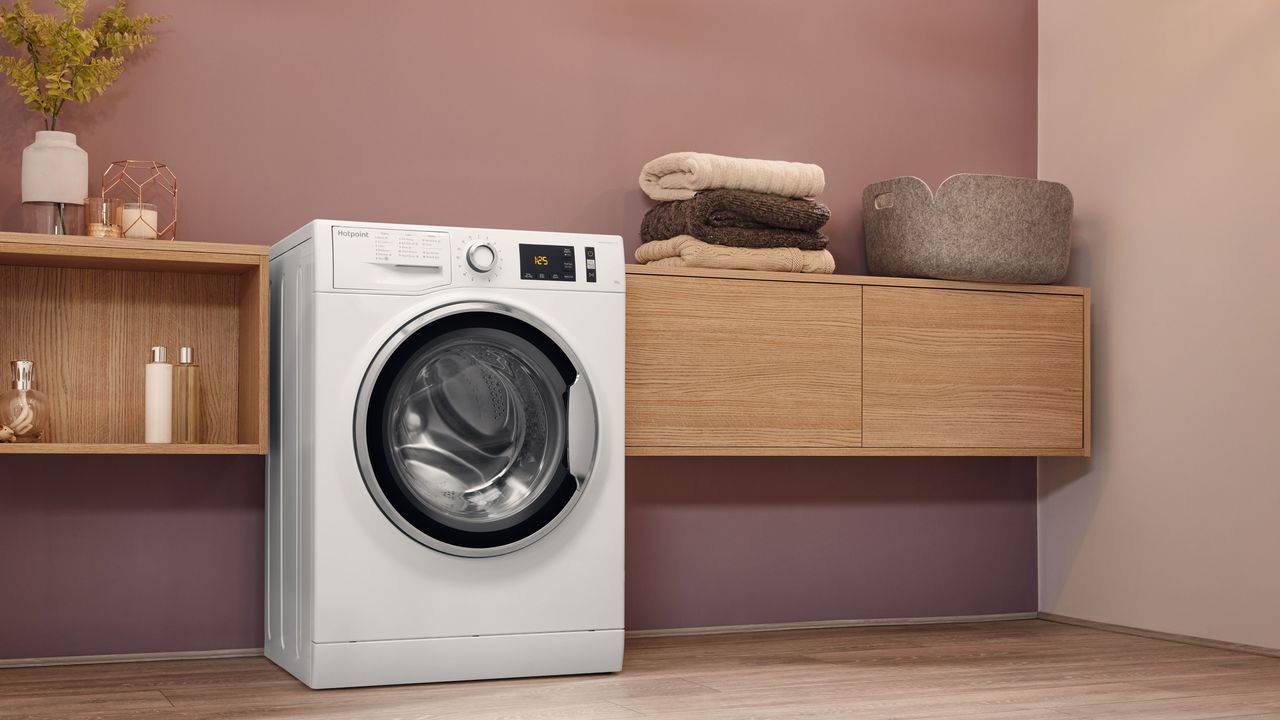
711	630
1158	635
129	657
820	624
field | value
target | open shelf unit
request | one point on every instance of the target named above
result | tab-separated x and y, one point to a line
87	310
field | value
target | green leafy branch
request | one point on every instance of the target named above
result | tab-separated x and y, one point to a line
64	61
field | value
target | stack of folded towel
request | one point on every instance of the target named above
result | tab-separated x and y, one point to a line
734	213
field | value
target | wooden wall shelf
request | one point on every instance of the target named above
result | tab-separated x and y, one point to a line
43	448
86	310
724	362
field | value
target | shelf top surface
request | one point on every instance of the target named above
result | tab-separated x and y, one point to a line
762	275
127	253
130	449
94	244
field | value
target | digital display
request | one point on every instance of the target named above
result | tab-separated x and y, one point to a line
547	262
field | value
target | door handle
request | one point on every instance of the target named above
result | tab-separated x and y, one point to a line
583	426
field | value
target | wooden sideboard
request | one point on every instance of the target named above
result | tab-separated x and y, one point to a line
755	363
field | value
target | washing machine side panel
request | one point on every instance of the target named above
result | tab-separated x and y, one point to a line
305	518
290	461
372	582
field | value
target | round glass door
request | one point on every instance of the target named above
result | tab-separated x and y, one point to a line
462	432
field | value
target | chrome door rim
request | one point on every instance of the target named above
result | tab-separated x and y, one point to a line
374	370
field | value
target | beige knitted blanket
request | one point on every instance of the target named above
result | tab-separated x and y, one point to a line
689	251
678	176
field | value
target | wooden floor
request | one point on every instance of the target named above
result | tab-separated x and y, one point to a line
1019	670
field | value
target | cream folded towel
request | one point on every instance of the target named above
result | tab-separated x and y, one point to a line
689	251
678	176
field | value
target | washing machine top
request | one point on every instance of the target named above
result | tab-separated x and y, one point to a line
383	258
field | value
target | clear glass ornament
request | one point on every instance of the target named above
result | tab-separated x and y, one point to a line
24	411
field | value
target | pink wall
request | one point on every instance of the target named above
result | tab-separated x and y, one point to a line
1171	525
114	554
515	113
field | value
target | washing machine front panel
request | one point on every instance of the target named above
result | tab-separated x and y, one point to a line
373	581
361	578
475	428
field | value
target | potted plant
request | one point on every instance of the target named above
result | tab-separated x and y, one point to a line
63	60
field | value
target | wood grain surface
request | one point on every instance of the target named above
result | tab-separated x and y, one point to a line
738	363
749	363
87	310
957	368
127	254
89	332
1016	670
253	357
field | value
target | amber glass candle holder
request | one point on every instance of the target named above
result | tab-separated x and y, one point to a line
102	217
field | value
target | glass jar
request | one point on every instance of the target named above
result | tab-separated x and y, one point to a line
102	217
24	411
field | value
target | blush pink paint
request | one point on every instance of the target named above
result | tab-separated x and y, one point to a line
538	115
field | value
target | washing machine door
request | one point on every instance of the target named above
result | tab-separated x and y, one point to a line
475	429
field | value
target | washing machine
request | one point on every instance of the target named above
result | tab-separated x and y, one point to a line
445	466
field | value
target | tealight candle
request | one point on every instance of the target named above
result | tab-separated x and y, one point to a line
139	220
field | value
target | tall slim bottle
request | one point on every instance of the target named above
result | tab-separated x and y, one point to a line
186	398
159	398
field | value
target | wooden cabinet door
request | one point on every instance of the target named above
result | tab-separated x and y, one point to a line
756	365
973	369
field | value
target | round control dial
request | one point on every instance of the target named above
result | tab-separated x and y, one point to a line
482	257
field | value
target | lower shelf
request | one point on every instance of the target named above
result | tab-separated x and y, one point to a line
128	449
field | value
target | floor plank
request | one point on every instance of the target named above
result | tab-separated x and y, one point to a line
1014	670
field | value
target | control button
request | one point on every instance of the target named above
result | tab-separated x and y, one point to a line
481	257
591	253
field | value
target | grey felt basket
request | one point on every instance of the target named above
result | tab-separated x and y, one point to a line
988	228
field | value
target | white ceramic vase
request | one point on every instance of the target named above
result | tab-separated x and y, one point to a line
55	169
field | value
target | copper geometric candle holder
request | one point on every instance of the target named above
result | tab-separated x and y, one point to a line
149	190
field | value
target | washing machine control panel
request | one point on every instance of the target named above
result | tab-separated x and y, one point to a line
416	259
389	259
553	261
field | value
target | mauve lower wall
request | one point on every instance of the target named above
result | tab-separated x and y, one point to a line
104	555
714	541
538	115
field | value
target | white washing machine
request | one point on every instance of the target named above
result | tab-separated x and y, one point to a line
445	475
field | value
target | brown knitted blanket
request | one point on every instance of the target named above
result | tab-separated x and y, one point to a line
740	219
